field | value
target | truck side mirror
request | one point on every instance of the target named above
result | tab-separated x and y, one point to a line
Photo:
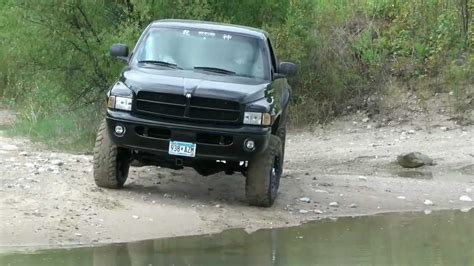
288	69
119	51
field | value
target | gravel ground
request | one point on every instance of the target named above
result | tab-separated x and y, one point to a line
345	169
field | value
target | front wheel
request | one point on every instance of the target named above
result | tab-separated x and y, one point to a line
111	163
263	175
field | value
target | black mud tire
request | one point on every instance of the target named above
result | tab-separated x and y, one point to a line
263	175
281	133
111	163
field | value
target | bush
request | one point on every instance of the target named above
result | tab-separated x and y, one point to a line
55	63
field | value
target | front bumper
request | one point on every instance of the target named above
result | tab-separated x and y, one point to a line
232	149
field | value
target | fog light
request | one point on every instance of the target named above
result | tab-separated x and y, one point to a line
119	130
249	144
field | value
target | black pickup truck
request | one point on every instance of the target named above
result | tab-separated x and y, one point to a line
204	95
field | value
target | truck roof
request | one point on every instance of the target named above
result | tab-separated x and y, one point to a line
205	25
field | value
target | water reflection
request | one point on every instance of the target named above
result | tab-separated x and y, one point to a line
441	238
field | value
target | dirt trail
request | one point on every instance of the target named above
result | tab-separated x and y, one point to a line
49	198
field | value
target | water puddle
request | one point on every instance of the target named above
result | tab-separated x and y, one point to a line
440	238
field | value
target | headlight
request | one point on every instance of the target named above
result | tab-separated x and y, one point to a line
120	103
255	118
120	97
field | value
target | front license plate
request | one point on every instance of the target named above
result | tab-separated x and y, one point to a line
182	148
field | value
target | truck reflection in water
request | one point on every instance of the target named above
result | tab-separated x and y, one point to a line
440	238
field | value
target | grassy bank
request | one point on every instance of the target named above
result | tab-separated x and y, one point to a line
55	65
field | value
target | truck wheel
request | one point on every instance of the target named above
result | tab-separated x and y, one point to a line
263	175
111	163
281	133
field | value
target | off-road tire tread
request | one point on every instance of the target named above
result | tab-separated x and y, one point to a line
281	133
257	185
105	160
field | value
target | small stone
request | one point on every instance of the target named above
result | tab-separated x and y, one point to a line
8	147
427	211
305	199
468	190
465	198
334	204
23	153
78	234
30	165
217	206
57	162
303	211
428	202
451	93
414	159
362	178
467	209
411	131
365	120
153	201
320	191
353	205
444	128
317	211
401	197
135	216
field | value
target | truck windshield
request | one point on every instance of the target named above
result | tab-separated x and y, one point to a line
214	52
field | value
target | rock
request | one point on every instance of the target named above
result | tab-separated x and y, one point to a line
135	216
467	209
318	211
411	131
23	153
428	202
78	234
29	165
303	211
427	211
217	206
326	184
365	120
414	159
57	162
305	199
353	205
334	204
363	178
401	197
320	191
8	147
465	198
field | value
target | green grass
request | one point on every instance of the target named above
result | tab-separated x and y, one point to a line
68	132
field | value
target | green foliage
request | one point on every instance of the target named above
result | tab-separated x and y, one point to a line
55	61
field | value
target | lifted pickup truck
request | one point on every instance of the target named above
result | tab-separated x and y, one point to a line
198	94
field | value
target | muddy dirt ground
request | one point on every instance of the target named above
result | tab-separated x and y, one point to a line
49	198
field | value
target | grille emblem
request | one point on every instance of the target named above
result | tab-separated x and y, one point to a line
188	95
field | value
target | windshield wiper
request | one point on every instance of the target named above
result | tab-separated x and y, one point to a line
216	70
161	63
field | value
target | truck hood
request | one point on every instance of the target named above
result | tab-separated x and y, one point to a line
234	88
